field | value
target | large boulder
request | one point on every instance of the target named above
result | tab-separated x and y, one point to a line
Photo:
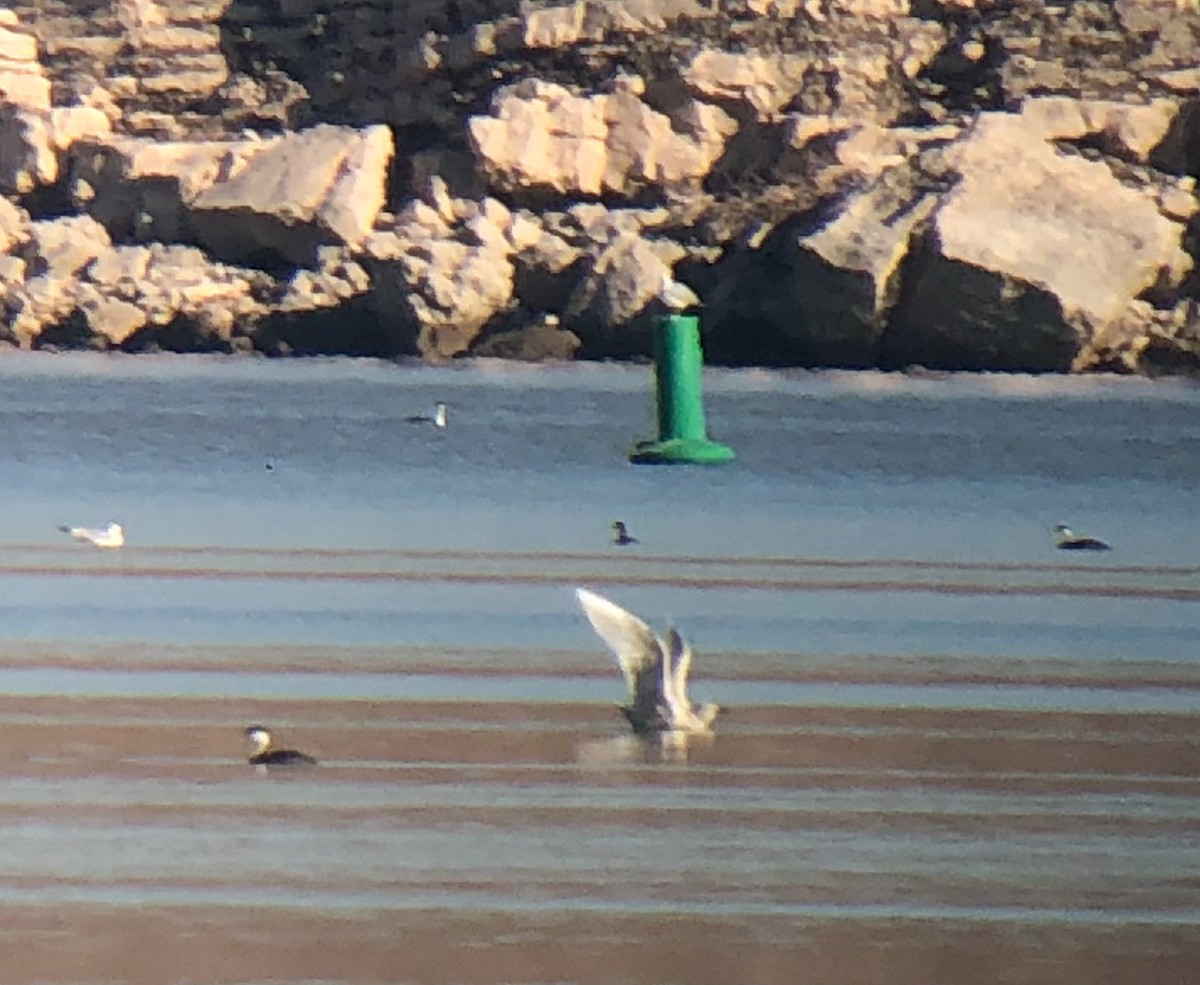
444	270
55	253
303	190
613	302
543	340
843	279
1029	254
274	201
542	136
23	81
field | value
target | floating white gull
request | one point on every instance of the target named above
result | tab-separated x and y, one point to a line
676	296
656	670
264	753
437	418
1067	540
110	536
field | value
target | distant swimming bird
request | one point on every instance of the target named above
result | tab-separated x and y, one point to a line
264	753
111	536
1067	540
437	418
621	535
676	296
655	670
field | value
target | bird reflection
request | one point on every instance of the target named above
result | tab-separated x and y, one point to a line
627	750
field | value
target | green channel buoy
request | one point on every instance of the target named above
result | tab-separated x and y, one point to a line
678	366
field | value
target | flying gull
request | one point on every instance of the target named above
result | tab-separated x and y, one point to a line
110	536
1067	540
656	670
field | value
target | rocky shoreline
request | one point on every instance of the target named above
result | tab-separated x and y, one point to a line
955	184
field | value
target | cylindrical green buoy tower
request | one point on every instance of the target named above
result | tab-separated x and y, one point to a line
678	366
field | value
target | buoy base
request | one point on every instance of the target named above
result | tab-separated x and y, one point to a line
676	451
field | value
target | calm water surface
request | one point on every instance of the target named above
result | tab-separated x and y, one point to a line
951	753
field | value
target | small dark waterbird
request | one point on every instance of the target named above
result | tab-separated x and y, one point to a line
621	535
263	752
1065	539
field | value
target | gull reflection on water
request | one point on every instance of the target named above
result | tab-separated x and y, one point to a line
656	747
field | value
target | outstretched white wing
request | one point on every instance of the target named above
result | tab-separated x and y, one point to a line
676	676
637	650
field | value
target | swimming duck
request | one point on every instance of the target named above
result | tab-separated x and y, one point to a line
621	535
1067	540
111	536
263	752
655	670
437	418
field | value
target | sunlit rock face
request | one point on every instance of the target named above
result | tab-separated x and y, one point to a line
842	182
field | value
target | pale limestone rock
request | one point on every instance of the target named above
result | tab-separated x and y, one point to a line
336	279
113	318
781	9
356	196
557	27
1131	131
438	282
799	128
25	85
42	300
182	280
869	150
1051	234
32	142
844	278
764	81
541	135
1183	81
16	46
300	191
147	186
868	9
69	124
1021	264
121	270
27	155
139	16
593	20
523	231
14	225
1178	203
625	278
12	270
61	248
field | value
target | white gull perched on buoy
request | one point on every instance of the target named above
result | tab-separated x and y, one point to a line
656	670
437	418
111	536
676	296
